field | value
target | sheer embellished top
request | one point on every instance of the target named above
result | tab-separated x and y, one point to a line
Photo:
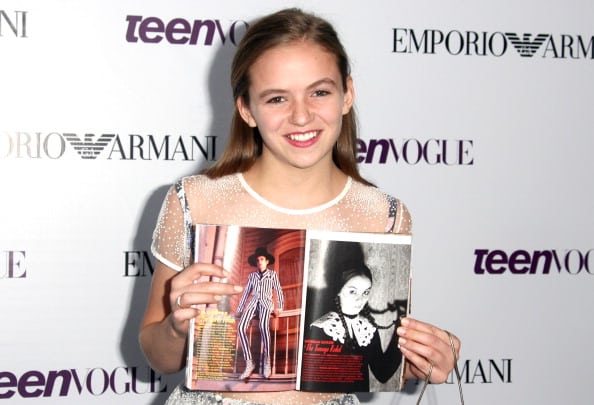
230	200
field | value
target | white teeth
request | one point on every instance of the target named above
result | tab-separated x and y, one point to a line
303	137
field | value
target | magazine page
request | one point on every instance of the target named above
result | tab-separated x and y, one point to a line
249	341
357	291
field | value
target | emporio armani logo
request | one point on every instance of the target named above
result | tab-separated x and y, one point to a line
13	24
90	146
457	42
525	46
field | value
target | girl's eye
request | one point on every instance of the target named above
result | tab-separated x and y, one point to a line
366	293
275	100
320	93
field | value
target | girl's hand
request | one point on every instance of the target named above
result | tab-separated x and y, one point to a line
193	287
426	348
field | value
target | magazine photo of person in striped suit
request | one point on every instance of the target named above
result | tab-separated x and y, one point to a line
257	299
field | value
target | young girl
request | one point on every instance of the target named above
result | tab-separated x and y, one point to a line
289	163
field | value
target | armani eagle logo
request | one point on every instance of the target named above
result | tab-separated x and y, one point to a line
86	148
526	47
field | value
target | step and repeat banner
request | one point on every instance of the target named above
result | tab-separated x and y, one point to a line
478	116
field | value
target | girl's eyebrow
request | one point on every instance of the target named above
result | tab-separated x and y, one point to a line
269	92
325	80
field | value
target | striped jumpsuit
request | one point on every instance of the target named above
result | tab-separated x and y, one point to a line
260	286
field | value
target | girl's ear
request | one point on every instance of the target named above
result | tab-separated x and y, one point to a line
245	112
349	96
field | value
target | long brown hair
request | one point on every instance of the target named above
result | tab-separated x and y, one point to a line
281	28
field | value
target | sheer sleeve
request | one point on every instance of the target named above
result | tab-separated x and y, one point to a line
169	236
399	219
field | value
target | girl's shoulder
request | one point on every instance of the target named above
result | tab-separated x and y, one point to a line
202	183
374	202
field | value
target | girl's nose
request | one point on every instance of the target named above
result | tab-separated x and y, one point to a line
300	114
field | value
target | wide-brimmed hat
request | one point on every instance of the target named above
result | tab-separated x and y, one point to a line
261	251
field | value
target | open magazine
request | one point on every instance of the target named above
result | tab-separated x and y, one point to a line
318	312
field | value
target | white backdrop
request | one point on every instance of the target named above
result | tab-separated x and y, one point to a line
516	183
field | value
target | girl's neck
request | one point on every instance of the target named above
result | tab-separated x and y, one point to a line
296	188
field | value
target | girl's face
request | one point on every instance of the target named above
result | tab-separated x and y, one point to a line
354	295
297	102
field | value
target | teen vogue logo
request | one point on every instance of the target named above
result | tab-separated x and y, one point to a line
154	30
497	44
570	261
91	381
411	151
54	145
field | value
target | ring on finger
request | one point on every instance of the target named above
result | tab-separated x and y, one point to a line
178	301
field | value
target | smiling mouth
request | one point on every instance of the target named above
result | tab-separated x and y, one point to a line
304	137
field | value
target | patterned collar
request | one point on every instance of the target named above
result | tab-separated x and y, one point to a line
330	323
